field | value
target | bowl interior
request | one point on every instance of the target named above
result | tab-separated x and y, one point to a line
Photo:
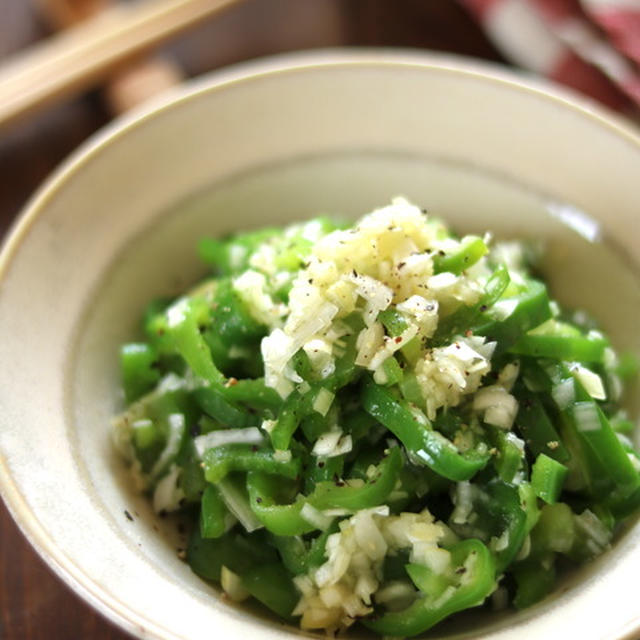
120	228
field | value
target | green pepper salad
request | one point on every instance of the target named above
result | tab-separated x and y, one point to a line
381	424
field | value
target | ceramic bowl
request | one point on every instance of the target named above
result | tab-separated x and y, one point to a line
270	142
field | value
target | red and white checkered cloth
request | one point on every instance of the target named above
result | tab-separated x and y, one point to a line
590	45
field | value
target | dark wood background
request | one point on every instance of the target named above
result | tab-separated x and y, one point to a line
34	604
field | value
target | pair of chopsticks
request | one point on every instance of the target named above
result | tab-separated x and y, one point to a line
81	56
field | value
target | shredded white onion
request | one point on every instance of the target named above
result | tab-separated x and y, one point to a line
590	381
590	524
168	495
502	309
564	393
390	346
320	354
370	339
377	295
442	281
268	425
251	288
315	518
501	542
586	416
232	584
250	435
238	505
176	430
508	375
499	406
332	443
282	455
326	443
396	595
322	402
463	500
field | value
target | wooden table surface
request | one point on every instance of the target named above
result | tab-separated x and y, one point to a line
34	603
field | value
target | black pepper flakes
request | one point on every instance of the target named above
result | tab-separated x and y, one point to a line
128	515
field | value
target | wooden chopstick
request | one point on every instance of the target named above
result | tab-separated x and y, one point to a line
81	56
138	79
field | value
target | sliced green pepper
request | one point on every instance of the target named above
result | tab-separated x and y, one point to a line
392	372
547	478
231	319
535	427
179	331
299	558
524	312
471	249
595	430
287	519
231	255
468	317
270	585
509	458
561	341
607	469
291	413
554	532
252	393
219	461
213	402
322	469
212	513
413	429
374	492
270	502
139	373
396	324
499	518
534	580
475	581
238	552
